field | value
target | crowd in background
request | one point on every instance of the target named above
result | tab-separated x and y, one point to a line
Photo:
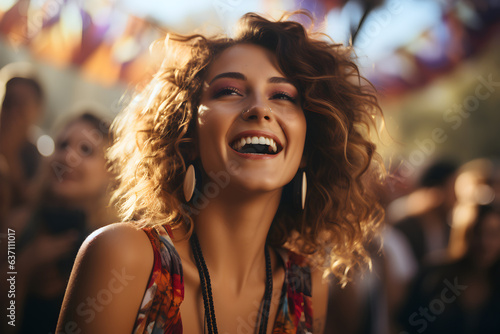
436	266
52	203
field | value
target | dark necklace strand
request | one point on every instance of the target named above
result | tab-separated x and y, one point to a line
206	286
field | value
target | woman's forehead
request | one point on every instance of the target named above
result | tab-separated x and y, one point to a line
245	58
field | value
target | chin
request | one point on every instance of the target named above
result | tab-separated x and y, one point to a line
260	184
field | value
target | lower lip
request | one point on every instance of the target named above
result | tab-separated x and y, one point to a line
255	156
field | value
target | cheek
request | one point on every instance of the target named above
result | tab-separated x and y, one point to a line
210	153
58	165
303	131
297	130
206	139
94	169
212	129
99	166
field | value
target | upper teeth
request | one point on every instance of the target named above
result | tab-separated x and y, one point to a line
237	145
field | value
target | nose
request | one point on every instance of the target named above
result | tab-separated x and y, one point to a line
257	112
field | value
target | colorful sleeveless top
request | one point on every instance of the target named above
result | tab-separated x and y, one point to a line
159	311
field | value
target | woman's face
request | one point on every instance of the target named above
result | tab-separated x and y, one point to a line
250	122
79	166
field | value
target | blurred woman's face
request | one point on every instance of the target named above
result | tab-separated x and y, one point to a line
250	122
79	165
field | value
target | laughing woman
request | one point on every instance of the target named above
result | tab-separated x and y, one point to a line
242	174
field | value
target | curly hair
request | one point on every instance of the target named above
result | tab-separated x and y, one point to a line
155	135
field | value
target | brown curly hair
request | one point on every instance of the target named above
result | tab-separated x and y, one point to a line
155	136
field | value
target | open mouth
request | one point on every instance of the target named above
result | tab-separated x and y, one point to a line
256	145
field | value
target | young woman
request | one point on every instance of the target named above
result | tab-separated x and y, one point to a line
71	203
226	234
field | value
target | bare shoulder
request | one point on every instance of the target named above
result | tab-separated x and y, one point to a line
120	245
108	281
123	242
320	290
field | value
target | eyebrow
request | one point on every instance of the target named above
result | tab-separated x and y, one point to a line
279	80
233	75
241	76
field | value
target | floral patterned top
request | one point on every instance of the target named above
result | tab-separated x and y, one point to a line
159	311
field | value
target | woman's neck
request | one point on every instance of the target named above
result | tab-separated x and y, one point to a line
232	234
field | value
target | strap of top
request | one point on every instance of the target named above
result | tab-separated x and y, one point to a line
295	312
158	313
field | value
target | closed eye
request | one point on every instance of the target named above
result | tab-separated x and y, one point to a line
227	91
283	96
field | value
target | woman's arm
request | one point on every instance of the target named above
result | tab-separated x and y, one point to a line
108	281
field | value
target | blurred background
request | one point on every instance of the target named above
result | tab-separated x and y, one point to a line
435	64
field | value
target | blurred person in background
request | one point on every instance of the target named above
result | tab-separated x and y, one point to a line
478	182
73	202
366	304
461	294
361	306
397	266
428	210
22	106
